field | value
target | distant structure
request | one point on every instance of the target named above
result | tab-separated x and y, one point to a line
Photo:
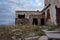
30	17
52	12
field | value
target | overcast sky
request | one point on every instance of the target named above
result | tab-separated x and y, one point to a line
8	8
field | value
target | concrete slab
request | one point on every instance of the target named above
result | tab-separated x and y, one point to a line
43	38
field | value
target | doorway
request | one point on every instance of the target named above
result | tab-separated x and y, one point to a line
42	21
35	21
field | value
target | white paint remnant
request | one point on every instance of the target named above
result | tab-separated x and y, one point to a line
53	14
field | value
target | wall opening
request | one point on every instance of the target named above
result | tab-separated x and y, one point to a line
35	21
42	21
48	14
21	16
57	15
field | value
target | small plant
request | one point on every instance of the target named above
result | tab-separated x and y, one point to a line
39	31
51	28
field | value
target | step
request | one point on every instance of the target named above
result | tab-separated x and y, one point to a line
32	38
31	35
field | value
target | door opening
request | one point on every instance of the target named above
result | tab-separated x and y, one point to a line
42	21
35	21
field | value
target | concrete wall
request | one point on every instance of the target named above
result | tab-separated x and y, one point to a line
55	2
36	14
52	10
27	13
39	17
46	2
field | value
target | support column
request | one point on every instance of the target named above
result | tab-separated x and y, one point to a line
38	21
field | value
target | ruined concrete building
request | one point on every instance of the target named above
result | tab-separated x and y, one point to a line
50	15
30	17
52	12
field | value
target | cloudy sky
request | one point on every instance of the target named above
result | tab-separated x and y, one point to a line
8	8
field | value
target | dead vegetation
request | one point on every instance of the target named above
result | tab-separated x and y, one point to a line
20	31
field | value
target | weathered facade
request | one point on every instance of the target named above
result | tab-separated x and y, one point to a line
37	19
30	17
52	13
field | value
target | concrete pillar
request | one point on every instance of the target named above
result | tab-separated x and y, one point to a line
38	21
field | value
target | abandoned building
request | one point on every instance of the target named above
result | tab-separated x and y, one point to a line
52	12
30	17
